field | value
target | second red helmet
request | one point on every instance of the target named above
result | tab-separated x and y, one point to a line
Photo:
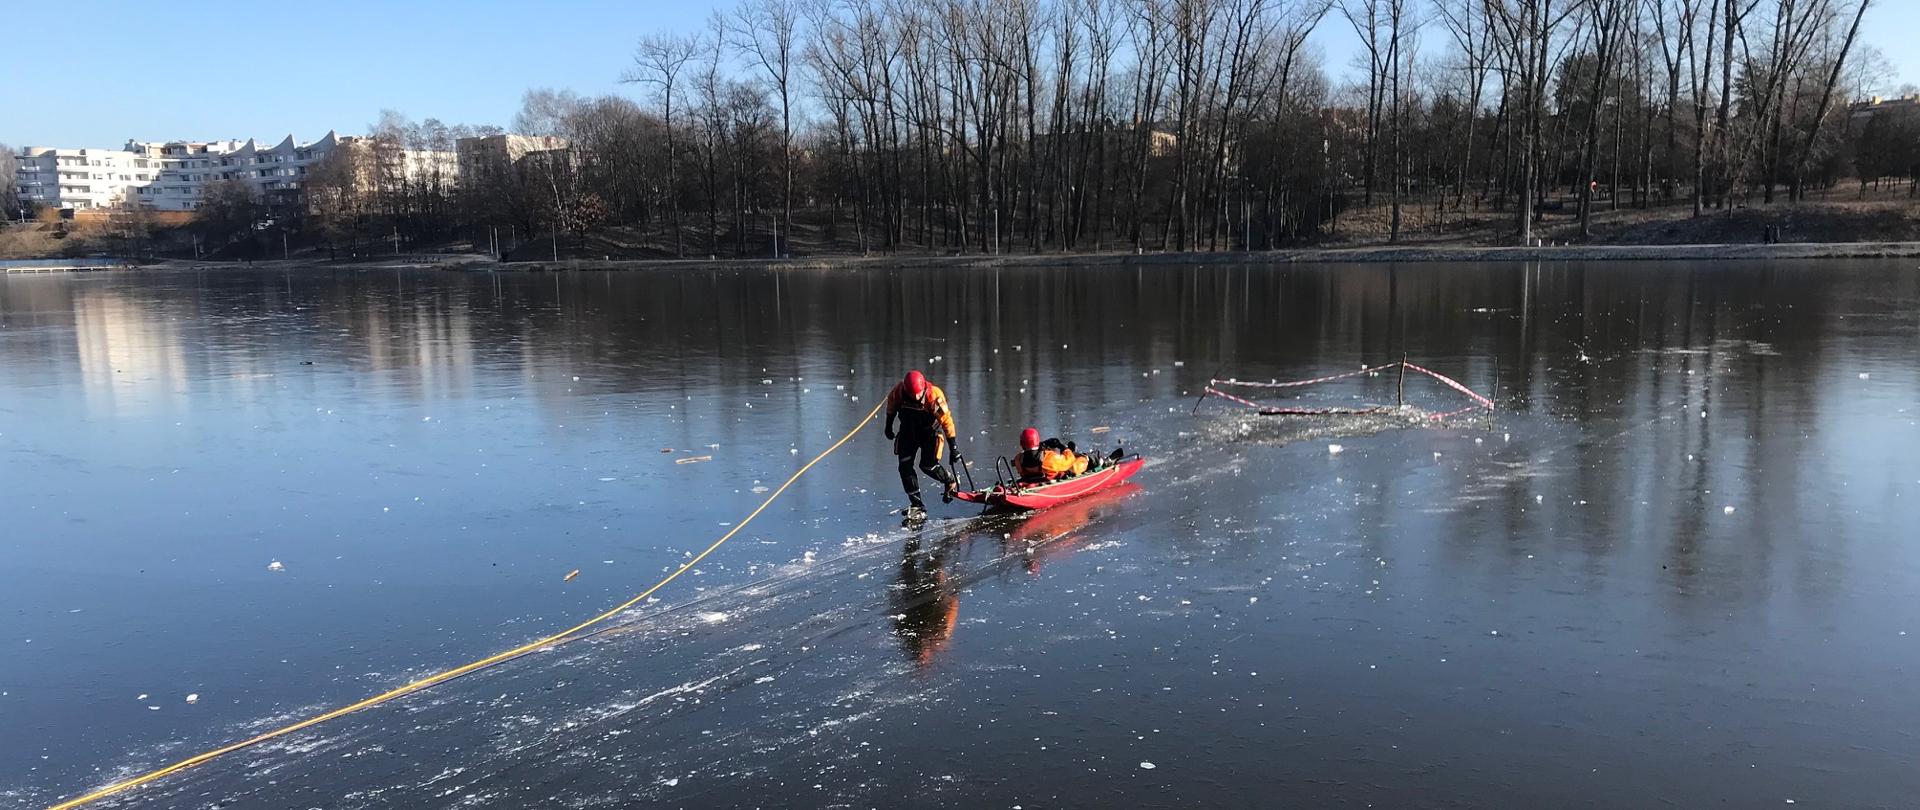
916	383
1029	439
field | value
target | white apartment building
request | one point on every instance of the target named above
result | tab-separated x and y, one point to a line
81	179
480	158
173	176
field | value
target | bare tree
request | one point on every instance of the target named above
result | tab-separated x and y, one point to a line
660	61
1399	35
1674	24
335	196
767	33
1525	31
1606	17
131	227
710	113
1471	33
1700	73
228	210
9	185
1826	102
1364	16
544	112
1792	33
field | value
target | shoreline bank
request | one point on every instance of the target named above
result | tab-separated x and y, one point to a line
1409	254
1353	255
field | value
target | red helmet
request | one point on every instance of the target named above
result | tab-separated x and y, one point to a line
916	383
1029	439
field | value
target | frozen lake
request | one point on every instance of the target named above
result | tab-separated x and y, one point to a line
1676	568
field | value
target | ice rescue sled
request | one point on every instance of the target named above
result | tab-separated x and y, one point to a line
1042	495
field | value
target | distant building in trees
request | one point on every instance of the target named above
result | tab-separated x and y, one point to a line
174	175
483	159
1160	142
1876	105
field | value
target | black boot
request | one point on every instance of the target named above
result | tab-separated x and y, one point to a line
910	481
948	484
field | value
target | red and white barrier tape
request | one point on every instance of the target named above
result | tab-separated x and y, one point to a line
1296	383
1455	385
1479	401
1231	398
1282	410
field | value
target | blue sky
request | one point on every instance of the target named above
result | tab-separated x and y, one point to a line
163	72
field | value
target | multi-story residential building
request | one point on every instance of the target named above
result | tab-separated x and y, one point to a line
482	159
173	176
82	179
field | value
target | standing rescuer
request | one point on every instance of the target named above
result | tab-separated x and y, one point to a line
925	424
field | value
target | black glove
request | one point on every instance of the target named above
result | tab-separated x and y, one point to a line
953	452
889	432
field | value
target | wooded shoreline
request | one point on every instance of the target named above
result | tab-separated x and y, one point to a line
1409	254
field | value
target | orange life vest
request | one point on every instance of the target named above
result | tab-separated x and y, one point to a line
1047	464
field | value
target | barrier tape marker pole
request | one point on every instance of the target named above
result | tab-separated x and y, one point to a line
1400	387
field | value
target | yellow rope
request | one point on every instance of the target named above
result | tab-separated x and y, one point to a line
463	669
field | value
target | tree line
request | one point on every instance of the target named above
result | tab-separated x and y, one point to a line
990	125
985	126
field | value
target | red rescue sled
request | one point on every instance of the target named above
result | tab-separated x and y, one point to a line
1041	496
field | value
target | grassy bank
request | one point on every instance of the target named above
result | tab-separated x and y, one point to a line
1822	229
1351	255
1889	218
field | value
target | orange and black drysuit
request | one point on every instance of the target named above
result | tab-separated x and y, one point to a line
1049	461
926	425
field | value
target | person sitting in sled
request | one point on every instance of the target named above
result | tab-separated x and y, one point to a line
1050	460
926	425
